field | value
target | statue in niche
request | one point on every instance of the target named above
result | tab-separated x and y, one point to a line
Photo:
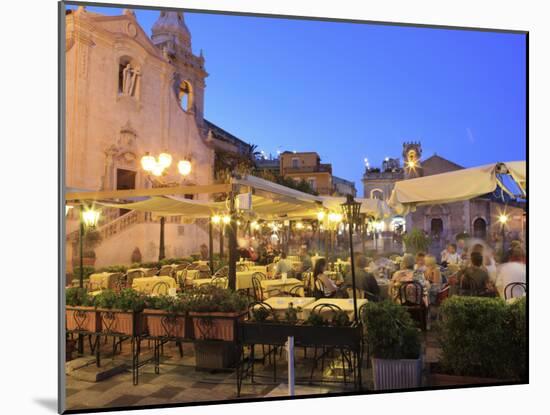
129	80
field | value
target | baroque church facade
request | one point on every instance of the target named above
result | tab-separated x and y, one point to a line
477	217
128	94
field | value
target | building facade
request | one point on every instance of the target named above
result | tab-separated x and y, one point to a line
128	94
477	217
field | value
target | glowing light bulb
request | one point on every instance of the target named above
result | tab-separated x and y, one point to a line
184	167
148	162
157	169
320	215
226	219
90	217
216	219
165	160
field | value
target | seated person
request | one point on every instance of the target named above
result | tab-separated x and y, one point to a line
512	271
433	275
331	289
283	266
405	274
364	280
305	259
449	256
474	279
420	262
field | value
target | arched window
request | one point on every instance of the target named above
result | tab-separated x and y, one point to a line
480	228
128	77
377	194
185	96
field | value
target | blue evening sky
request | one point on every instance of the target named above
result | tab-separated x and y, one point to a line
355	91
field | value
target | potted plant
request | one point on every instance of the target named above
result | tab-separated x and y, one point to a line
165	316
80	312
394	343
416	241
483	340
214	312
121	312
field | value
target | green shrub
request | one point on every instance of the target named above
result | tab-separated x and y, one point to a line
391	332
483	337
75	296
174	305
114	268
416	241
215	299
126	300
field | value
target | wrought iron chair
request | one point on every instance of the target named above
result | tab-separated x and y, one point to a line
152	272
167	270
222	272
307	278
509	290
130	276
329	310
204	271
220	282
296	291
411	296
160	287
257	290
242	267
319	289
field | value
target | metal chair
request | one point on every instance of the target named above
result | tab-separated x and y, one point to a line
151	272
242	267
130	276
257	290
160	288
509	290
222	272
296	291
220	282
330	310
167	270
319	289
204	271
411	296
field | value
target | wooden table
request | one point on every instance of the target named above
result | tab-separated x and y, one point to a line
146	284
345	304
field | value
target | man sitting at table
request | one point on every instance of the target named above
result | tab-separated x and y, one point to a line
449	256
364	280
284	265
305	259
474	279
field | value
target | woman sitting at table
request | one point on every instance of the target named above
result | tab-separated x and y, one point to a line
331	289
405	274
433	275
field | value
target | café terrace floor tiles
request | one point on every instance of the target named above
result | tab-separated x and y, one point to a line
179	381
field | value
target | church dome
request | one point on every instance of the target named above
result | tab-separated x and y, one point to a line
170	31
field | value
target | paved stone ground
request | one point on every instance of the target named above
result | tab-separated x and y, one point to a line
180	382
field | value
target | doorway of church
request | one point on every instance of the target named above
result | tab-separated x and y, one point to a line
125	180
480	228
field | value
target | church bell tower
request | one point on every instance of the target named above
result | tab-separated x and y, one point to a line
412	152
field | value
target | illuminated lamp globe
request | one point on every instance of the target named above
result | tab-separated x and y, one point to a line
216	219
226	219
320	215
90	217
503	218
148	162
184	167
165	160
157	170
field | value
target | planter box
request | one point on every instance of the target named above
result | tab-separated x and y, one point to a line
437	378
215	356
215	325
273	333
80	318
160	323
121	322
397	374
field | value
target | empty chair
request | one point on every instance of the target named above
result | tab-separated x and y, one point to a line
167	270
130	276
411	296
160	288
204	271
515	289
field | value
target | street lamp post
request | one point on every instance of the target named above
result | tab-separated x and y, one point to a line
351	210
155	169
88	220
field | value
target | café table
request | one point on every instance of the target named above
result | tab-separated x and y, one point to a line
101	280
146	284
281	304
280	284
346	304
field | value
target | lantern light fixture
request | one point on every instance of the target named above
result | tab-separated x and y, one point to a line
321	215
90	217
216	219
503	219
226	219
148	162
184	167
165	159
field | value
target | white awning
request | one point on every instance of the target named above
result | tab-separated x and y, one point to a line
455	186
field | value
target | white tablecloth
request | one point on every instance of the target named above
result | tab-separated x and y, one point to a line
146	284
345	304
